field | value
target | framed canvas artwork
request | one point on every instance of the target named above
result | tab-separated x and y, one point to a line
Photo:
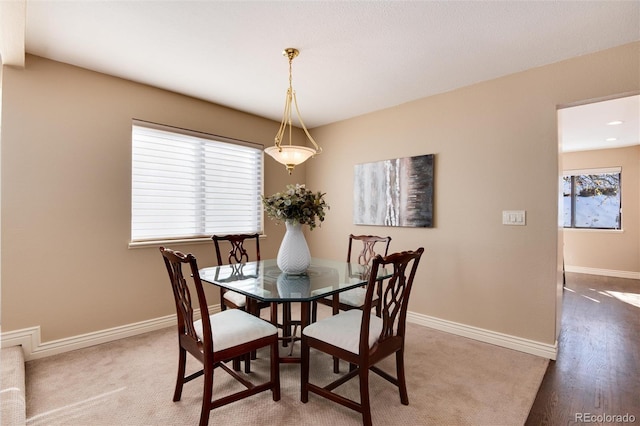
397	192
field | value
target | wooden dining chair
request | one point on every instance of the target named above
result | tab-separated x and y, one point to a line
354	298
216	339
230	299
237	254
362	338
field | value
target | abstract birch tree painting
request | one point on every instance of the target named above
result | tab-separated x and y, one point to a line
397	192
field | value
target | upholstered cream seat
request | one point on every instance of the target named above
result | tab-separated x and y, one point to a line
216	339
234	327
362	338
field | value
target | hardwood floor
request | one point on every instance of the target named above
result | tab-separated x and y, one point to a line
597	372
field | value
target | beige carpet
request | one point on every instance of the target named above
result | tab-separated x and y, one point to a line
451	381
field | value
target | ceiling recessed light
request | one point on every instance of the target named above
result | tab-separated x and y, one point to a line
611	139
614	123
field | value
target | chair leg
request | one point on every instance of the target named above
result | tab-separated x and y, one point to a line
336	360
304	371
207	394
275	370
252	308
236	364
182	361
402	383
247	362
365	405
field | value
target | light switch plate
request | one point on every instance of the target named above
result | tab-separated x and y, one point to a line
514	217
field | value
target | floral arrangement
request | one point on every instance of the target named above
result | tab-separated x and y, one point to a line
296	203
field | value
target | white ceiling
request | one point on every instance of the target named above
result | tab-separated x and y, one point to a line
588	127
355	56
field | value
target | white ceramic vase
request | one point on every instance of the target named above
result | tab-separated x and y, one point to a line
293	257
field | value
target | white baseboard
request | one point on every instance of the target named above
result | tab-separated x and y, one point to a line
544	350
603	272
33	348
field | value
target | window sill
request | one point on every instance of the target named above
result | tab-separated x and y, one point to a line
610	231
158	243
177	242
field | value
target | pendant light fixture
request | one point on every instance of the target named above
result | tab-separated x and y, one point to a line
288	154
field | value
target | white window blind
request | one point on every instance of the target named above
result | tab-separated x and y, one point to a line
189	185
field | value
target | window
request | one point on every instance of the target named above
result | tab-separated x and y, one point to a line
592	199
188	185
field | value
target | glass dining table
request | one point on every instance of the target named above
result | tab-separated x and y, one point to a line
263	281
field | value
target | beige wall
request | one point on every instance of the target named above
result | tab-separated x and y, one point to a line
66	193
496	149
609	250
66	156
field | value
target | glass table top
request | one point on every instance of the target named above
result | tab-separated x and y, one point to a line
264	281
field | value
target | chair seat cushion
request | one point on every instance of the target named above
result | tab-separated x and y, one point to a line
343	330
234	327
354	297
237	299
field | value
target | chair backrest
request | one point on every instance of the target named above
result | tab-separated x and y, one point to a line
174	260
395	296
368	242
238	252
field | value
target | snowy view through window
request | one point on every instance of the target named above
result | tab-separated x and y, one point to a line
596	201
